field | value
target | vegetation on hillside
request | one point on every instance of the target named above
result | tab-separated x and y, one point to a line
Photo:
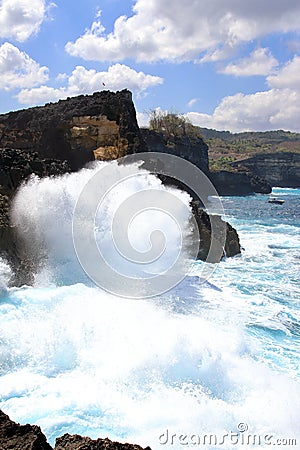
226	147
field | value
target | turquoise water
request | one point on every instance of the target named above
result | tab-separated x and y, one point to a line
202	358
265	279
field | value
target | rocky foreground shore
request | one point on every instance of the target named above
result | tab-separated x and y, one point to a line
14	436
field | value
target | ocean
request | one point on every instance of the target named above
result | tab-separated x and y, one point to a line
210	364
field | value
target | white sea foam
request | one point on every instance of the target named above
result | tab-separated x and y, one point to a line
43	212
76	359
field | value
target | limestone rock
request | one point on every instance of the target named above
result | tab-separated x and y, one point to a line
77	129
239	183
278	169
64	136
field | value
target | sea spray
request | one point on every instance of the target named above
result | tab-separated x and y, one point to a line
77	359
46	225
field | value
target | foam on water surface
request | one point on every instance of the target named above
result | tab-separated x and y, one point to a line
201	358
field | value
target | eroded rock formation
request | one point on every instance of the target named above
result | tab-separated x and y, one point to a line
16	166
239	183
21	437
76	130
193	149
232	243
14	436
278	169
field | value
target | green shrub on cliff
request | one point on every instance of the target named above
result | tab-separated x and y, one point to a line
172	125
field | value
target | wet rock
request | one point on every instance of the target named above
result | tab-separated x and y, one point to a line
76	442
231	240
16	165
21	437
14	436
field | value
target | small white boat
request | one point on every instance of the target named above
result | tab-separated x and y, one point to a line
275	200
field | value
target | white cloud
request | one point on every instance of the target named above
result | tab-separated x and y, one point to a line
84	81
18	70
260	62
288	76
157	31
267	110
192	102
218	54
40	95
21	18
276	108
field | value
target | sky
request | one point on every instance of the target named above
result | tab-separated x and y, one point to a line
229	65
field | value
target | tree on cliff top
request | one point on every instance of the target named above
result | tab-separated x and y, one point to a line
172	125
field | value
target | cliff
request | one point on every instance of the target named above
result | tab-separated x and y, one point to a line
30	437
271	155
77	130
239	182
280	169
15	166
64	136
191	148
55	139
194	149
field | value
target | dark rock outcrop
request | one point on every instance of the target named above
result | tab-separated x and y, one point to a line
55	139
232	243
195	150
15	166
239	183
191	148
21	437
78	130
76	442
14	436
278	169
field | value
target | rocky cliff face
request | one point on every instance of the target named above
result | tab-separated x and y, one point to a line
30	437
76	130
64	136
232	243
15	166
278	169
193	149
239	183
55	139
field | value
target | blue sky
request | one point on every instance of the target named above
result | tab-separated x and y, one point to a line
232	65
